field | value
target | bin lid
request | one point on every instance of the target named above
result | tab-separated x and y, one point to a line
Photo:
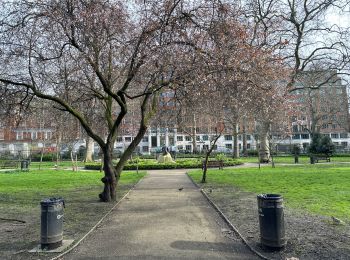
51	201
270	196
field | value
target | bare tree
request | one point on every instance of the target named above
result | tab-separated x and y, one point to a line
301	34
130	53
213	139
319	105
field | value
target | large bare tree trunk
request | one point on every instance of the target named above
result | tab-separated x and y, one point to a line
110	179
264	150
235	142
89	149
112	173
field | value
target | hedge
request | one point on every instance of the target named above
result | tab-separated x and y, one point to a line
153	165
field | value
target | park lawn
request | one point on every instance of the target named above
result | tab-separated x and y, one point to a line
290	159
21	193
26	189
318	189
52	164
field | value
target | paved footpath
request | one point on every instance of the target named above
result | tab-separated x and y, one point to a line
157	221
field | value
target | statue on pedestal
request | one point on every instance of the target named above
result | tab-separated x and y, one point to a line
165	157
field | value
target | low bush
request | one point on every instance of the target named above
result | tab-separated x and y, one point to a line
341	155
147	164
252	152
47	157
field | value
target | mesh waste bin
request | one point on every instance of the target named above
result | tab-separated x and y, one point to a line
271	220
51	223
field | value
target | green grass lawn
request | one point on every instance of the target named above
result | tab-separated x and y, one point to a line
25	189
50	164
21	193
318	189
290	159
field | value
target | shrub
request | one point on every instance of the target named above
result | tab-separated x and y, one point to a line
252	152
321	145
47	157
146	164
221	157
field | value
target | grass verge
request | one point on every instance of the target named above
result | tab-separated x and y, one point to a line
290	159
21	193
318	189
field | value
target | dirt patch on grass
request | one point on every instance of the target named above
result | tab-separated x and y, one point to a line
81	213
308	236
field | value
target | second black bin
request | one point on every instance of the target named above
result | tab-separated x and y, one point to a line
51	223
271	220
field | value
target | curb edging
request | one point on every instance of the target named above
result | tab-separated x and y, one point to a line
226	220
97	224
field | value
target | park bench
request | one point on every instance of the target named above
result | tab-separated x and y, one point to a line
8	164
325	158
213	164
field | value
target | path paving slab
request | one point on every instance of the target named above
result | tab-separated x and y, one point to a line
157	221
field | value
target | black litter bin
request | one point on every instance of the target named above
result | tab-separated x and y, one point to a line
296	159
271	220
312	160
51	223
24	165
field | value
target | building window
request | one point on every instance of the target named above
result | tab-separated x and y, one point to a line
128	139
119	139
205	147
19	135
145	139
303	118
294	118
46	135
304	136
228	146
295	128
188	138
179	138
34	135
334	136
205	138
343	135
248	146
297	136
334	126
324	126
180	147
228	137
324	117
249	137
344	144
198	138
144	148
188	147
